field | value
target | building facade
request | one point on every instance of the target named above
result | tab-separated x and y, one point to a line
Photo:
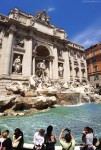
93	57
27	40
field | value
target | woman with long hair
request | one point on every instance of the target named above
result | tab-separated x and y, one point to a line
18	139
50	139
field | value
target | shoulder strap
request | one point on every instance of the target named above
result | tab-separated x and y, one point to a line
69	146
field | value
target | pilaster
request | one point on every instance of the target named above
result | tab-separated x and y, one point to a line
80	72
8	51
85	69
55	63
33	65
73	71
27	60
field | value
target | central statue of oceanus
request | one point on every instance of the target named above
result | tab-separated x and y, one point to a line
41	71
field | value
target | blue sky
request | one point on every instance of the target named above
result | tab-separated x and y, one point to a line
81	19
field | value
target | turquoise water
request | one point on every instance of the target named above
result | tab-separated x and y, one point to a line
75	118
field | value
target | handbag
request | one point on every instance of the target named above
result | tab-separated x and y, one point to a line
15	144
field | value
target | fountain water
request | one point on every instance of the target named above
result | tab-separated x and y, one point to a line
75	118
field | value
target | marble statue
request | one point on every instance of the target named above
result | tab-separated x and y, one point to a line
15	87
60	70
41	69
17	65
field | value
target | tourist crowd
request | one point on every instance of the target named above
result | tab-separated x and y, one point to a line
47	141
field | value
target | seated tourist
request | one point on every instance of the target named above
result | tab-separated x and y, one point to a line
39	140
67	142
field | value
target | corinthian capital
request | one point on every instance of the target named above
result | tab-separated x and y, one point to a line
12	29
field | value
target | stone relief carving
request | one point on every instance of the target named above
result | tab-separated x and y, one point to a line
15	13
19	42
34	52
1	36
60	53
17	65
78	55
54	31
43	17
71	53
32	21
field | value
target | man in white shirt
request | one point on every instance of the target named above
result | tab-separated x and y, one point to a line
39	140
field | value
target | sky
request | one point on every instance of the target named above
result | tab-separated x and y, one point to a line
81	19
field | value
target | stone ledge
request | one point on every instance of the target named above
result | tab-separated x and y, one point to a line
27	146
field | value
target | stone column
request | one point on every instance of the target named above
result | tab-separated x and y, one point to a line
80	72
55	63
66	66
33	65
8	52
73	68
27	60
85	74
50	68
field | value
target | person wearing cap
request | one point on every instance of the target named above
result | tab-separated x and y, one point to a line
39	140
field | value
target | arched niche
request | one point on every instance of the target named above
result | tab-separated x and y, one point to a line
43	53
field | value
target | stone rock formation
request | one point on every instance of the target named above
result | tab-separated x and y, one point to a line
41	93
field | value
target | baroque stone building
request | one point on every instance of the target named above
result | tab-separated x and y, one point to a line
27	40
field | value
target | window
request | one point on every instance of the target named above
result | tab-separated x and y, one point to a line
97	85
88	78
93	53
88	62
96	77
93	61
88	70
95	68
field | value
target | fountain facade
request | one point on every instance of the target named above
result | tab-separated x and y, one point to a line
29	42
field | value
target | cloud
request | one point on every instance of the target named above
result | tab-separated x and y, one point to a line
91	1
50	9
90	36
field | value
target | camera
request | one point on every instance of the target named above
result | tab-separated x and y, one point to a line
68	130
